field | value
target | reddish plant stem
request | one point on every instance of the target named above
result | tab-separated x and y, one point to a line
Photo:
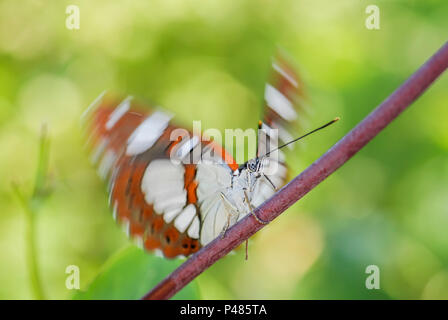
334	158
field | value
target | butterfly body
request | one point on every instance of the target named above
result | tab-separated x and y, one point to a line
236	197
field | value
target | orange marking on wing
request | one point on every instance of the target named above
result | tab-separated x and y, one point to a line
170	237
227	157
190	184
194	245
151	243
122	130
136	229
191	192
190	172
172	233
157	224
140	220
140	212
171	251
135	188
189	246
147	212
98	124
119	194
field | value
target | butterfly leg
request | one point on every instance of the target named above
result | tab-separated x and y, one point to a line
270	181
231	211
252	209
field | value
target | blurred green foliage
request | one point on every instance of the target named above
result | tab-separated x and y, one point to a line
130	274
209	60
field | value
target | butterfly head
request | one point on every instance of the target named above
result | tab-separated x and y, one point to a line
254	165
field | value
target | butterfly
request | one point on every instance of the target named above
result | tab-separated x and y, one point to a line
174	193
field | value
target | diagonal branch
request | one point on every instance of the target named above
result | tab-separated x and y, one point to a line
334	158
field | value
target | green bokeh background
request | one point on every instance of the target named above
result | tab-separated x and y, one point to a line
208	60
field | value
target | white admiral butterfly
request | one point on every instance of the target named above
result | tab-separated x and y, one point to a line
177	207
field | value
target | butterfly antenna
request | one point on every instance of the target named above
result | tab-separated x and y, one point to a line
301	137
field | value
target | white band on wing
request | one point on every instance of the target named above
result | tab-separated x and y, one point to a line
118	113
279	103
147	133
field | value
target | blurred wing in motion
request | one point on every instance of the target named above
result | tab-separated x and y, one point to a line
152	197
284	112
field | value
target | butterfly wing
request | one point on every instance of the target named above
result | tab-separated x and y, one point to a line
154	198
284	107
